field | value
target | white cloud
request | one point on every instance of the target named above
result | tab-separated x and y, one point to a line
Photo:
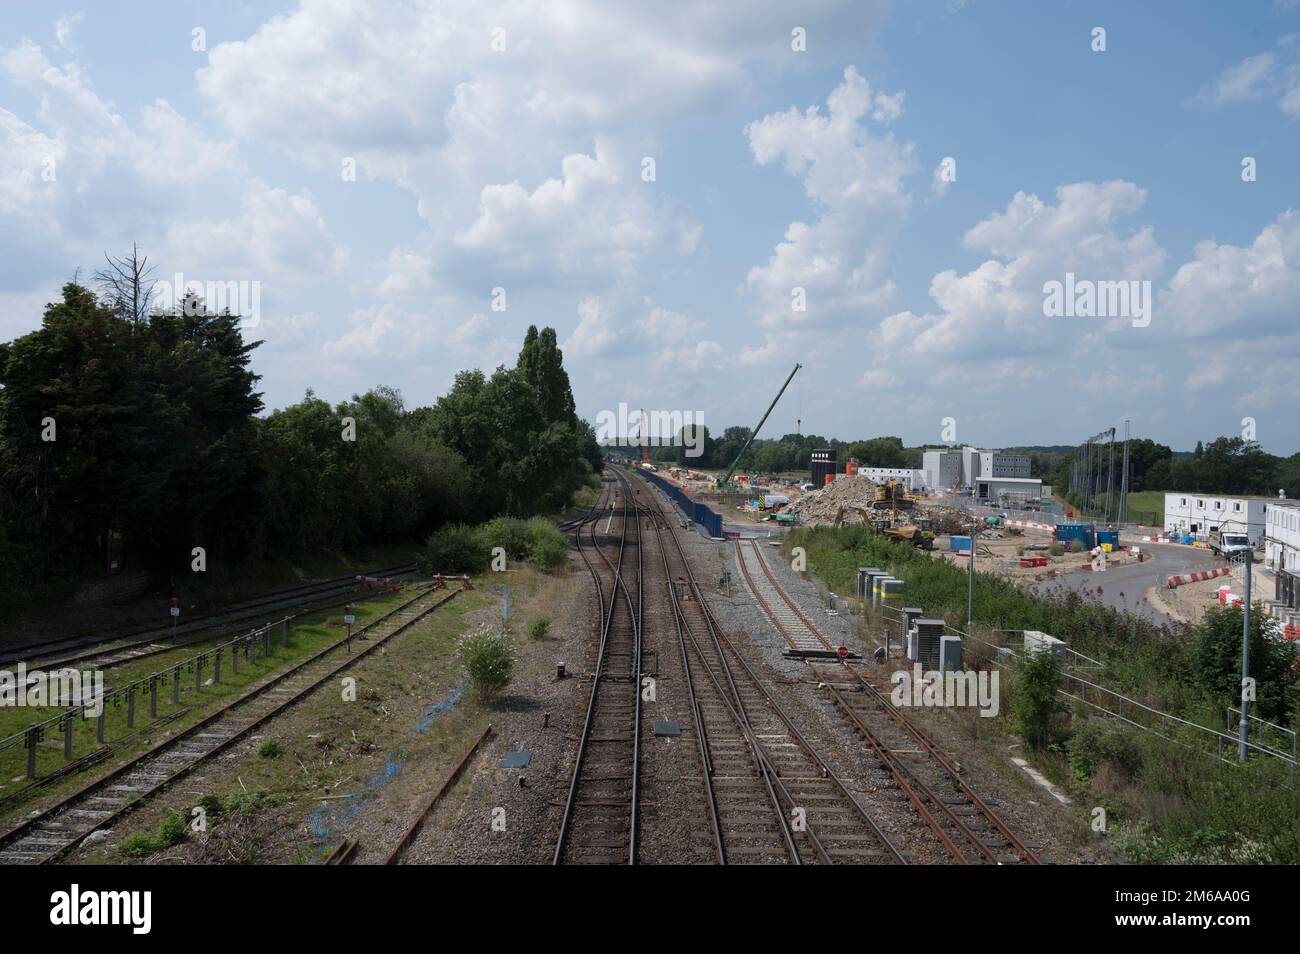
996	308
1258	77
1228	290
855	179
592	221
64	26
278	238
595	336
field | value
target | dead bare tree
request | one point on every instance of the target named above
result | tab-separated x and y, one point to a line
125	286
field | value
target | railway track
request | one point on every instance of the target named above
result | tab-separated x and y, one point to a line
601	810
771	795
62	826
963	824
104	651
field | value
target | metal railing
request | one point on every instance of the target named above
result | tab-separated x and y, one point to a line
96	707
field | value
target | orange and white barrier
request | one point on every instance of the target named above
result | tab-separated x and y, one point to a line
1174	581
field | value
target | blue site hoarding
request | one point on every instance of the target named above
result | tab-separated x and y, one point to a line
701	514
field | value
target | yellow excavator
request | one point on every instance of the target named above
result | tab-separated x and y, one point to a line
889	496
919	533
913	533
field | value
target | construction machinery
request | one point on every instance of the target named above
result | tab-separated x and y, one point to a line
873	520
919	532
736	463
645	441
889	496
912	533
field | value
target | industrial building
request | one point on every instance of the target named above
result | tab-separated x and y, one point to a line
1008	489
995	464
951	468
942	469
1198	515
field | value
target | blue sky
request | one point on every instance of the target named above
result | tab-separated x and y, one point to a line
521	168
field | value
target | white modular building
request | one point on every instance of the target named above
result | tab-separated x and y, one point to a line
1199	515
1282	550
908	478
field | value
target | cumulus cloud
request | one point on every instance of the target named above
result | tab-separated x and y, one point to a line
473	110
606	330
591	221
1228	290
997	307
854	176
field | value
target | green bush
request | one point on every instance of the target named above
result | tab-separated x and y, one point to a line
539	627
455	549
1057	550
489	658
1033	697
140	844
270	749
511	534
1096	741
548	548
1217	662
535	540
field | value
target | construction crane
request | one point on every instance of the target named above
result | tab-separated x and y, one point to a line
736	463
645	440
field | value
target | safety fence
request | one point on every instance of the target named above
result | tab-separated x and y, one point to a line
691	509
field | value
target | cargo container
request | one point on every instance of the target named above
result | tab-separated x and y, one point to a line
1085	533
1108	536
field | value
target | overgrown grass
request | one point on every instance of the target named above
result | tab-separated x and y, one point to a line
1168	802
309	634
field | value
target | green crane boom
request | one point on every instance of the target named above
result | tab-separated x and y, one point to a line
736	462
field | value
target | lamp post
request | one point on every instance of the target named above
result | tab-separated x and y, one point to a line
1244	729
970	583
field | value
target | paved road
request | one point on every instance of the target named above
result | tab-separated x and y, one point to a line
1122	586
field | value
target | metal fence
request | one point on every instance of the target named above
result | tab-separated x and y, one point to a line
1269	739
96	707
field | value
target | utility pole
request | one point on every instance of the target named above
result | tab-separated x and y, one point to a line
970	584
1245	663
1123	480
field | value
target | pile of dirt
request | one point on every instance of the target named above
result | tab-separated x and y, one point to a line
947	520
819	507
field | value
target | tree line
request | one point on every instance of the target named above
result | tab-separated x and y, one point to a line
140	435
1228	465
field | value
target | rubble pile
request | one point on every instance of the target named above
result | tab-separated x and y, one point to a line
819	507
